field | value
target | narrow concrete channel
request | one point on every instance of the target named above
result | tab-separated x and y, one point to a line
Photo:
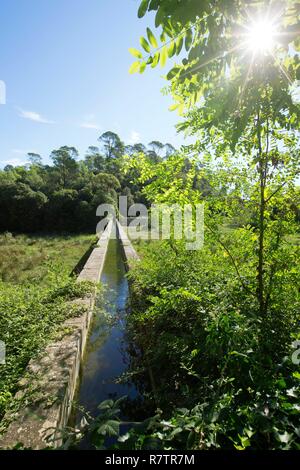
92	354
106	356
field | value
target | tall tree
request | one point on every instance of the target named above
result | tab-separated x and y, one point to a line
64	160
169	149
34	158
237	87
112	145
94	160
156	147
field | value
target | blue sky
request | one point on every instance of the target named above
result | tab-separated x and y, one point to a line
65	65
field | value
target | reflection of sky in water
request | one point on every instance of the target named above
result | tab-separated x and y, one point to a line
106	358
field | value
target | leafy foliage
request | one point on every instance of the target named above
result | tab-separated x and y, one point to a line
32	312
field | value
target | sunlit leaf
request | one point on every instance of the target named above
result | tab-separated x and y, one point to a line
144	43
135	53
151	38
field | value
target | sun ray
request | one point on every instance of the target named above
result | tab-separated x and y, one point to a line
219	56
283	70
246	79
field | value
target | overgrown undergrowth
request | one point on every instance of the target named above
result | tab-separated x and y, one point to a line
223	376
35	305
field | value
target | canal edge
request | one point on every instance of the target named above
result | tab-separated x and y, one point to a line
56	371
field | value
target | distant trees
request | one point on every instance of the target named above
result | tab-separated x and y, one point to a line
112	145
94	161
34	158
21	207
64	196
64	160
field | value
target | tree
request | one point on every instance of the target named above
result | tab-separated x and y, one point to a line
21	208
62	211
156	147
64	160
170	149
34	158
8	168
245	103
136	148
112	145
94	160
104	187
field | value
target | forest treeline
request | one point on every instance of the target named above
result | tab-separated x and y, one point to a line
64	195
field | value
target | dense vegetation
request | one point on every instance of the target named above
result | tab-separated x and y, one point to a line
214	328
211	331
25	259
64	196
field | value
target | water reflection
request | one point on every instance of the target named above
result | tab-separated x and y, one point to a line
107	357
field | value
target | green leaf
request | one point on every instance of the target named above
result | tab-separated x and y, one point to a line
172	49
150	60
173	107
156	58
144	43
188	39
152	38
142	67
135	53
135	67
168	29
143	8
109	428
163	37
173	72
163	56
106	405
179	45
159	16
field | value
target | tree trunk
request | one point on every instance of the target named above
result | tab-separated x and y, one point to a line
262	204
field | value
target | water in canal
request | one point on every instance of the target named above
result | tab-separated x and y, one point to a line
106	357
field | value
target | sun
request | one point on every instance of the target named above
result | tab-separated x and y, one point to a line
260	37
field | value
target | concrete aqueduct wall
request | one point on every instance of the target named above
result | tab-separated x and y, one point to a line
54	373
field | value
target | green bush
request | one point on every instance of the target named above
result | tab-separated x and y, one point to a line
31	315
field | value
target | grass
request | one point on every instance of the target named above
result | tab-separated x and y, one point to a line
26	258
35	293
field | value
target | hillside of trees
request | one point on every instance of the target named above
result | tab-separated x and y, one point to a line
63	197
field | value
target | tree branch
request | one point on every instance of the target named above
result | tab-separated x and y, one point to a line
232	260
